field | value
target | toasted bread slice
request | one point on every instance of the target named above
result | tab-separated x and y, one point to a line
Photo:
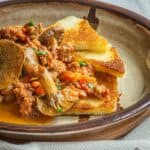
89	45
109	62
92	106
79	34
82	36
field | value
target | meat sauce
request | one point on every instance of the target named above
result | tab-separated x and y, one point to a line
49	73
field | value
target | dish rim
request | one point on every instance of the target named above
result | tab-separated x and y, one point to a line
141	106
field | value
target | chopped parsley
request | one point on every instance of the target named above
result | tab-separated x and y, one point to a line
30	23
59	87
90	85
59	109
34	48
41	53
83	64
58	84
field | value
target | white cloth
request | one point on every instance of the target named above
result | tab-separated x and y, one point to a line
141	7
137	139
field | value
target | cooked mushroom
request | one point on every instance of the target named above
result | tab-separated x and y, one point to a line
59	103
11	62
48	83
31	61
52	36
45	109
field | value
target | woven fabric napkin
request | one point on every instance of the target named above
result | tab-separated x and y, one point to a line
138	139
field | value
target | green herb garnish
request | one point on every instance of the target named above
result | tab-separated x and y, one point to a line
59	87
41	53
90	85
34	48
59	109
83	64
30	23
58	84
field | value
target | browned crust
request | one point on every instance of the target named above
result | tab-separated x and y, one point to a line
83	32
117	64
115	67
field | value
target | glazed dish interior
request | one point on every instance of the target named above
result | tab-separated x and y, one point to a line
125	35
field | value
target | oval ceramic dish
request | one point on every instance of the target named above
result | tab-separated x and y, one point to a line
127	31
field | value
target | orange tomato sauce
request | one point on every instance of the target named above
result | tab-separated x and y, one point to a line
9	114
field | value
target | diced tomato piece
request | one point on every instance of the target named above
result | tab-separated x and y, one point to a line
40	91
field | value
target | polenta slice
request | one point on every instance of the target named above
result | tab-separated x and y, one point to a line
80	35
109	62
88	45
90	105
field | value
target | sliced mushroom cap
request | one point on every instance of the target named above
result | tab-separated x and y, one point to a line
31	61
48	83
51	35
11	62
45	109
60	103
48	110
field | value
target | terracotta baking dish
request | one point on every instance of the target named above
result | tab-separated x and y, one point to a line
127	31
